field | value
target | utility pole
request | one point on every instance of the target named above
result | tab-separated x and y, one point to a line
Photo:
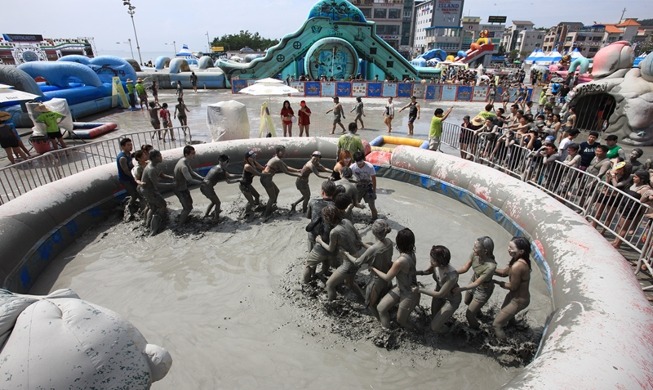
623	12
208	41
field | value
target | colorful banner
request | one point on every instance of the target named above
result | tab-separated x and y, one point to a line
237	85
374	89
329	88
405	90
480	94
433	92
389	89
419	91
343	88
358	89
312	88
449	92
118	93
464	93
298	85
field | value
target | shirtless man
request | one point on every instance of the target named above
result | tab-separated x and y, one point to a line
312	166
150	190
274	166
211	179
338	115
350	190
185	175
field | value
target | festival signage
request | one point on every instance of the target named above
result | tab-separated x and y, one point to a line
433	92
358	89
447	13
405	90
389	89
464	93
449	92
237	85
496	19
419	91
312	88
480	94
298	85
374	89
22	37
343	88
328	88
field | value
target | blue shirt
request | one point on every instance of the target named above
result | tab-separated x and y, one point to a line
122	176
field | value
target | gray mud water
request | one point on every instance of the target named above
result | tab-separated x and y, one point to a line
226	301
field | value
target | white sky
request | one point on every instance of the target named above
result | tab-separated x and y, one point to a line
187	21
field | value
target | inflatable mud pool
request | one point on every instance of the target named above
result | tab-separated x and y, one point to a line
594	315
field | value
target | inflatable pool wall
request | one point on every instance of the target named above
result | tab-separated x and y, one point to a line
598	335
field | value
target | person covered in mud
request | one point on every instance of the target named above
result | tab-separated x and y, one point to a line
312	166
251	168
379	256
274	166
185	175
348	187
314	212
405	294
211	179
151	188
343	236
483	264
319	254
445	301
519	276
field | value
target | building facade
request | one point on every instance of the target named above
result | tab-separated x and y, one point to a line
391	23
528	41
511	34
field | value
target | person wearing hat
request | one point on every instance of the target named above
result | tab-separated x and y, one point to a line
8	139
312	166
131	92
216	173
274	166
251	168
51	120
142	93
413	113
338	115
435	131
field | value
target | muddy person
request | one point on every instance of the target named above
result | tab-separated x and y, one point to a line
445	301
366	182
124	162
185	175
274	166
318	228
338	115
348	187
519	276
359	111
405	295
342	237
215	174
312	166
379	256
251	168
483	264
151	188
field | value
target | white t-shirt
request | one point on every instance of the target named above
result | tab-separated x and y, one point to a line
365	173
562	149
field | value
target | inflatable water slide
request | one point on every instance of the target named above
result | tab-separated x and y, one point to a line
336	41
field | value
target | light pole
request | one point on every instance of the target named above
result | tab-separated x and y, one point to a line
131	12
129	40
174	46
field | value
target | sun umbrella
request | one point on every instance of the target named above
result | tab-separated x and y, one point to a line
8	95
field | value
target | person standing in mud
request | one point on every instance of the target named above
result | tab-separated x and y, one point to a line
405	294
379	256
274	166
151	187
319	228
366	182
211	179
445	301
185	175
251	168
343	236
125	164
483	263
349	188
519	277
312	166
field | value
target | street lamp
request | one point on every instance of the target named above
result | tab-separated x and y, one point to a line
174	45
131	12
130	45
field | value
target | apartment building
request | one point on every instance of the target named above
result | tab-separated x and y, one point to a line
393	20
511	34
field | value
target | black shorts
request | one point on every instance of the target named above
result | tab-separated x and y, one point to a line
54	135
411	119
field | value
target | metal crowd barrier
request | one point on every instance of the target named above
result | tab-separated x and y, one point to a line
19	178
603	205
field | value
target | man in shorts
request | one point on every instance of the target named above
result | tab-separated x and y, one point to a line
151	188
185	175
125	166
435	132
193	81
351	141
274	166
366	185
211	179
338	115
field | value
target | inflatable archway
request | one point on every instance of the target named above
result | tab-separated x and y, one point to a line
598	333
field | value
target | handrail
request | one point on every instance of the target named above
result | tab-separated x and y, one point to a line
20	178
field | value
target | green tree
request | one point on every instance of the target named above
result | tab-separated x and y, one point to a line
244	39
514	55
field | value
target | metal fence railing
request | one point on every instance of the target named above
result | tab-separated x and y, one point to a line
604	206
22	177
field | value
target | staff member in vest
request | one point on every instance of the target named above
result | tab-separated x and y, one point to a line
125	166
413	113
51	120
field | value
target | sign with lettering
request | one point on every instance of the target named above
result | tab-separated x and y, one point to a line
447	13
389	89
358	89
449	92
22	37
328	88
480	94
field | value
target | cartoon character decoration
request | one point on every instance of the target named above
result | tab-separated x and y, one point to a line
564	62
482	40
